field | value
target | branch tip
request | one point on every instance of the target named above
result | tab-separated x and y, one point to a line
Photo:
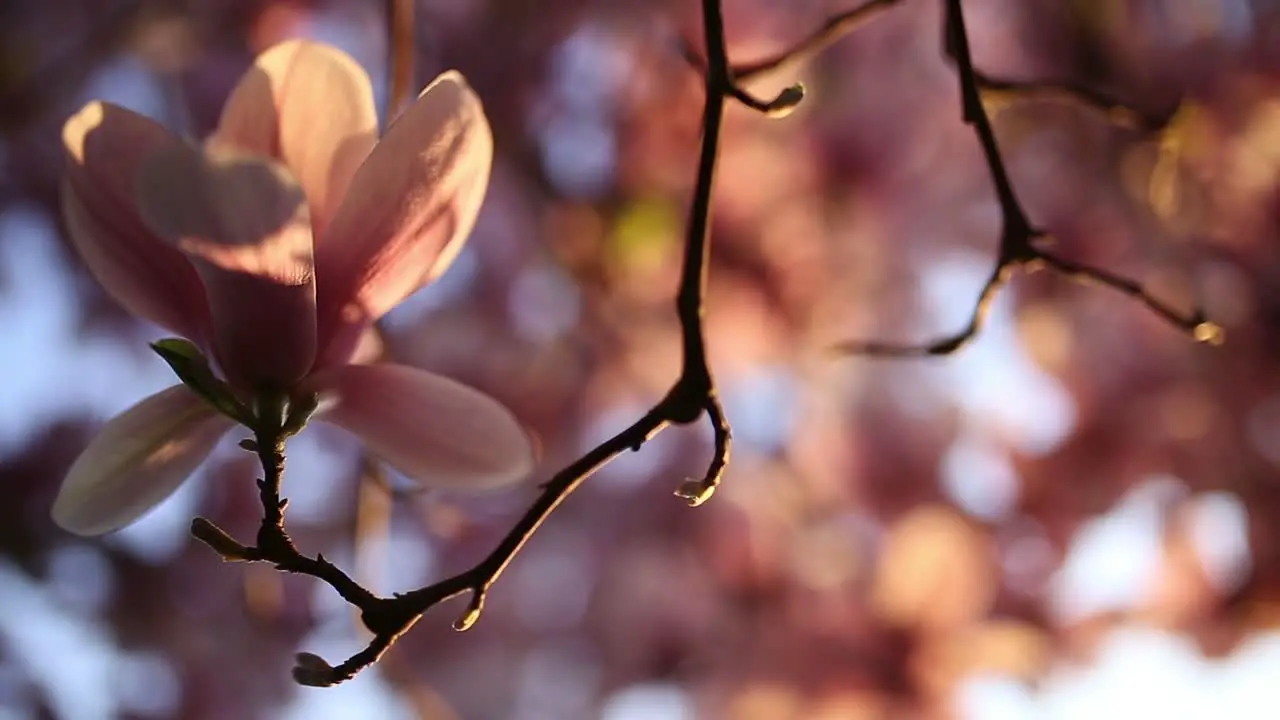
786	101
1209	333
312	670
220	542
695	492
779	107
836	27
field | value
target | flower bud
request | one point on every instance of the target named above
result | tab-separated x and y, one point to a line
469	619
312	670
206	532
786	102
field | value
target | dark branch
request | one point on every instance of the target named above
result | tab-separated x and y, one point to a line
942	346
274	544
1116	112
836	27
1018	247
399	56
841	24
1200	327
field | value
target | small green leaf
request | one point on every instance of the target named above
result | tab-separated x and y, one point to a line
192	368
300	411
178	347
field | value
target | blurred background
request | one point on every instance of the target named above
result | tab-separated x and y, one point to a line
1075	517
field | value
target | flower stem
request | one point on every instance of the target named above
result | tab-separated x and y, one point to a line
273	543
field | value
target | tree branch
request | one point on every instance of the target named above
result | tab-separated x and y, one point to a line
273	543
841	24
400	27
1018	248
836	27
1116	112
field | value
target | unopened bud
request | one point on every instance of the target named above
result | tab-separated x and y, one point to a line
472	615
468	620
1034	265
1209	332
695	492
206	532
311	669
786	102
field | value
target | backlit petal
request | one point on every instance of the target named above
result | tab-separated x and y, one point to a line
410	207
105	145
370	349
435	430
242	220
311	106
137	460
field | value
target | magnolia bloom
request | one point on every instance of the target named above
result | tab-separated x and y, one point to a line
275	245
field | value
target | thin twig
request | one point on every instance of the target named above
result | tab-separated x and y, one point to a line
835	27
1018	248
400	56
1115	111
944	345
1200	327
273	542
843	23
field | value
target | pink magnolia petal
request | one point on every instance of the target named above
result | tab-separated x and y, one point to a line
357	343
105	145
311	106
369	348
435	430
243	222
137	460
410	207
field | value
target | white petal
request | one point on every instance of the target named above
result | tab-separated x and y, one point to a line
137	460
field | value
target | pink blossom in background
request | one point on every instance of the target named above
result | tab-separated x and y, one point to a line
275	245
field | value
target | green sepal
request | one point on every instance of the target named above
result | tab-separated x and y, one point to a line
301	409
192	368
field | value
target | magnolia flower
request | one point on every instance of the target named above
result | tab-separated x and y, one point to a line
274	246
